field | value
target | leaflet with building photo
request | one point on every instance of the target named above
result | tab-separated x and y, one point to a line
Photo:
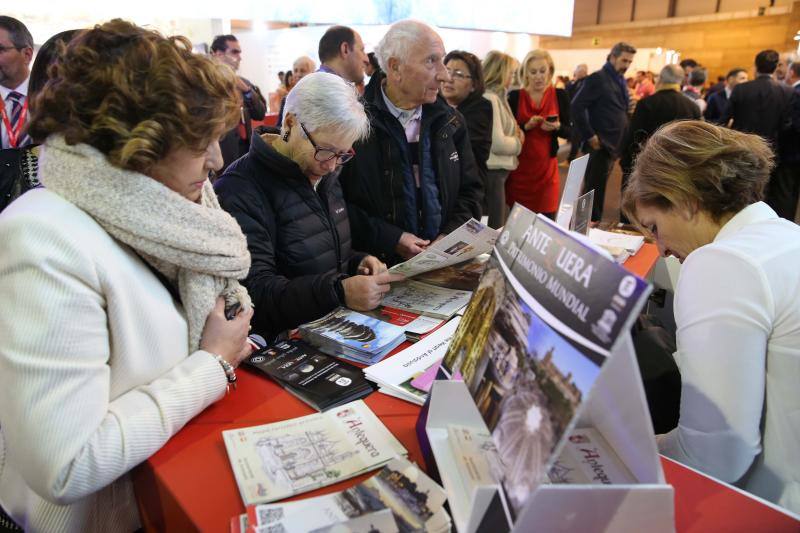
543	320
414	324
414	501
399	371
469	240
275	461
425	299
358	337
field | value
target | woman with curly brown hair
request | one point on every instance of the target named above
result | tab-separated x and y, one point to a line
697	189
116	278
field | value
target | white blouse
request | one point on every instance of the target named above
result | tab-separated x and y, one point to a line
737	308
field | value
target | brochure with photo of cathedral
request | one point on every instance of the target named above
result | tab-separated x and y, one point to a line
275	461
531	344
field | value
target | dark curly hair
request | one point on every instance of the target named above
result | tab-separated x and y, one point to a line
474	66
134	95
699	166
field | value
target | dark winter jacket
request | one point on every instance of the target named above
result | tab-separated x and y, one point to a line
477	111
374	181
18	173
299	238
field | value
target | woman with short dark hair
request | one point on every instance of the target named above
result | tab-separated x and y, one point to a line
116	277
697	189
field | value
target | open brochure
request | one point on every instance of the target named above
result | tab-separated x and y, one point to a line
397	373
620	245
400	497
426	299
542	322
275	461
469	240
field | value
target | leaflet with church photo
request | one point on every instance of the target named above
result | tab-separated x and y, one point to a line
543	320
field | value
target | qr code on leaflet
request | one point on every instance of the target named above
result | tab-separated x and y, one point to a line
268	516
274	528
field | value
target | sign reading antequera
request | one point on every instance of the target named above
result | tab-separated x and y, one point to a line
568	279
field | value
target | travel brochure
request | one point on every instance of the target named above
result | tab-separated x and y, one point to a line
620	245
470	240
587	458
425	299
352	335
529	347
400	497
317	379
395	376
414	324
275	461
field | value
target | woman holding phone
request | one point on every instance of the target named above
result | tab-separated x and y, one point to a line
542	111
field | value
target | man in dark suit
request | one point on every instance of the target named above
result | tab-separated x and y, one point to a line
581	71
762	106
236	143
718	102
666	105
600	111
784	189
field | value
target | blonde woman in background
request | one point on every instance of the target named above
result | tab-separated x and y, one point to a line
507	137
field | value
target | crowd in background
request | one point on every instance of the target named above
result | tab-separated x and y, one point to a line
147	226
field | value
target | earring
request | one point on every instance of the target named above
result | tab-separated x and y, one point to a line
286	135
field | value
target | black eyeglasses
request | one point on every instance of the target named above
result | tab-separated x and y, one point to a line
458	74
323	155
6	48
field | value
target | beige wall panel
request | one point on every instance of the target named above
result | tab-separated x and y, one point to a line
585	13
686	8
612	11
651	9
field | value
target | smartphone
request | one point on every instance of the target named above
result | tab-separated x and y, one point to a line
551	118
232	311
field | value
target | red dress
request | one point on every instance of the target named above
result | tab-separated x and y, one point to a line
534	183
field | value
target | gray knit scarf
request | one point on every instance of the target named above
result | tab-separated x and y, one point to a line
199	247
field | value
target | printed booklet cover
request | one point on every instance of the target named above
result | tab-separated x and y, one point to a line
469	240
275	461
413	500
318	379
544	318
358	337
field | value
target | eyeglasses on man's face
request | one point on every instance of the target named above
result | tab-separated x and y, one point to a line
323	155
4	49
458	74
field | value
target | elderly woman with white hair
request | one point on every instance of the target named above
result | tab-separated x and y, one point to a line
286	196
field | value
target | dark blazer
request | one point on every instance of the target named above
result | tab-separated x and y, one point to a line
373	181
563	117
600	107
789	140
299	238
651	113
717	105
760	106
477	111
232	146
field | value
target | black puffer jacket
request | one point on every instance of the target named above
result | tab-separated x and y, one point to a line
299	239
373	181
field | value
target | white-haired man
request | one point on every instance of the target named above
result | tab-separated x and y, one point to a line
414	178
301	67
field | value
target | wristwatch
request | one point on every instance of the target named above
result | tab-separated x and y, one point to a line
230	372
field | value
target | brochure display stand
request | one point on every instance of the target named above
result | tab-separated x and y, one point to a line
571	383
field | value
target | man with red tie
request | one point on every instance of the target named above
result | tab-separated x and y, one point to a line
16	52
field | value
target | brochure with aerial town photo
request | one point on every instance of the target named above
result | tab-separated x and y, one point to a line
399	496
275	461
466	242
543	320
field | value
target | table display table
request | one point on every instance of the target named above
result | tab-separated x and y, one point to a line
189	484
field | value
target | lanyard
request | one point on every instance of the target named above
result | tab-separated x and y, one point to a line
14	134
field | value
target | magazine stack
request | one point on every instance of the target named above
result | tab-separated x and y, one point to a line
541	423
353	336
